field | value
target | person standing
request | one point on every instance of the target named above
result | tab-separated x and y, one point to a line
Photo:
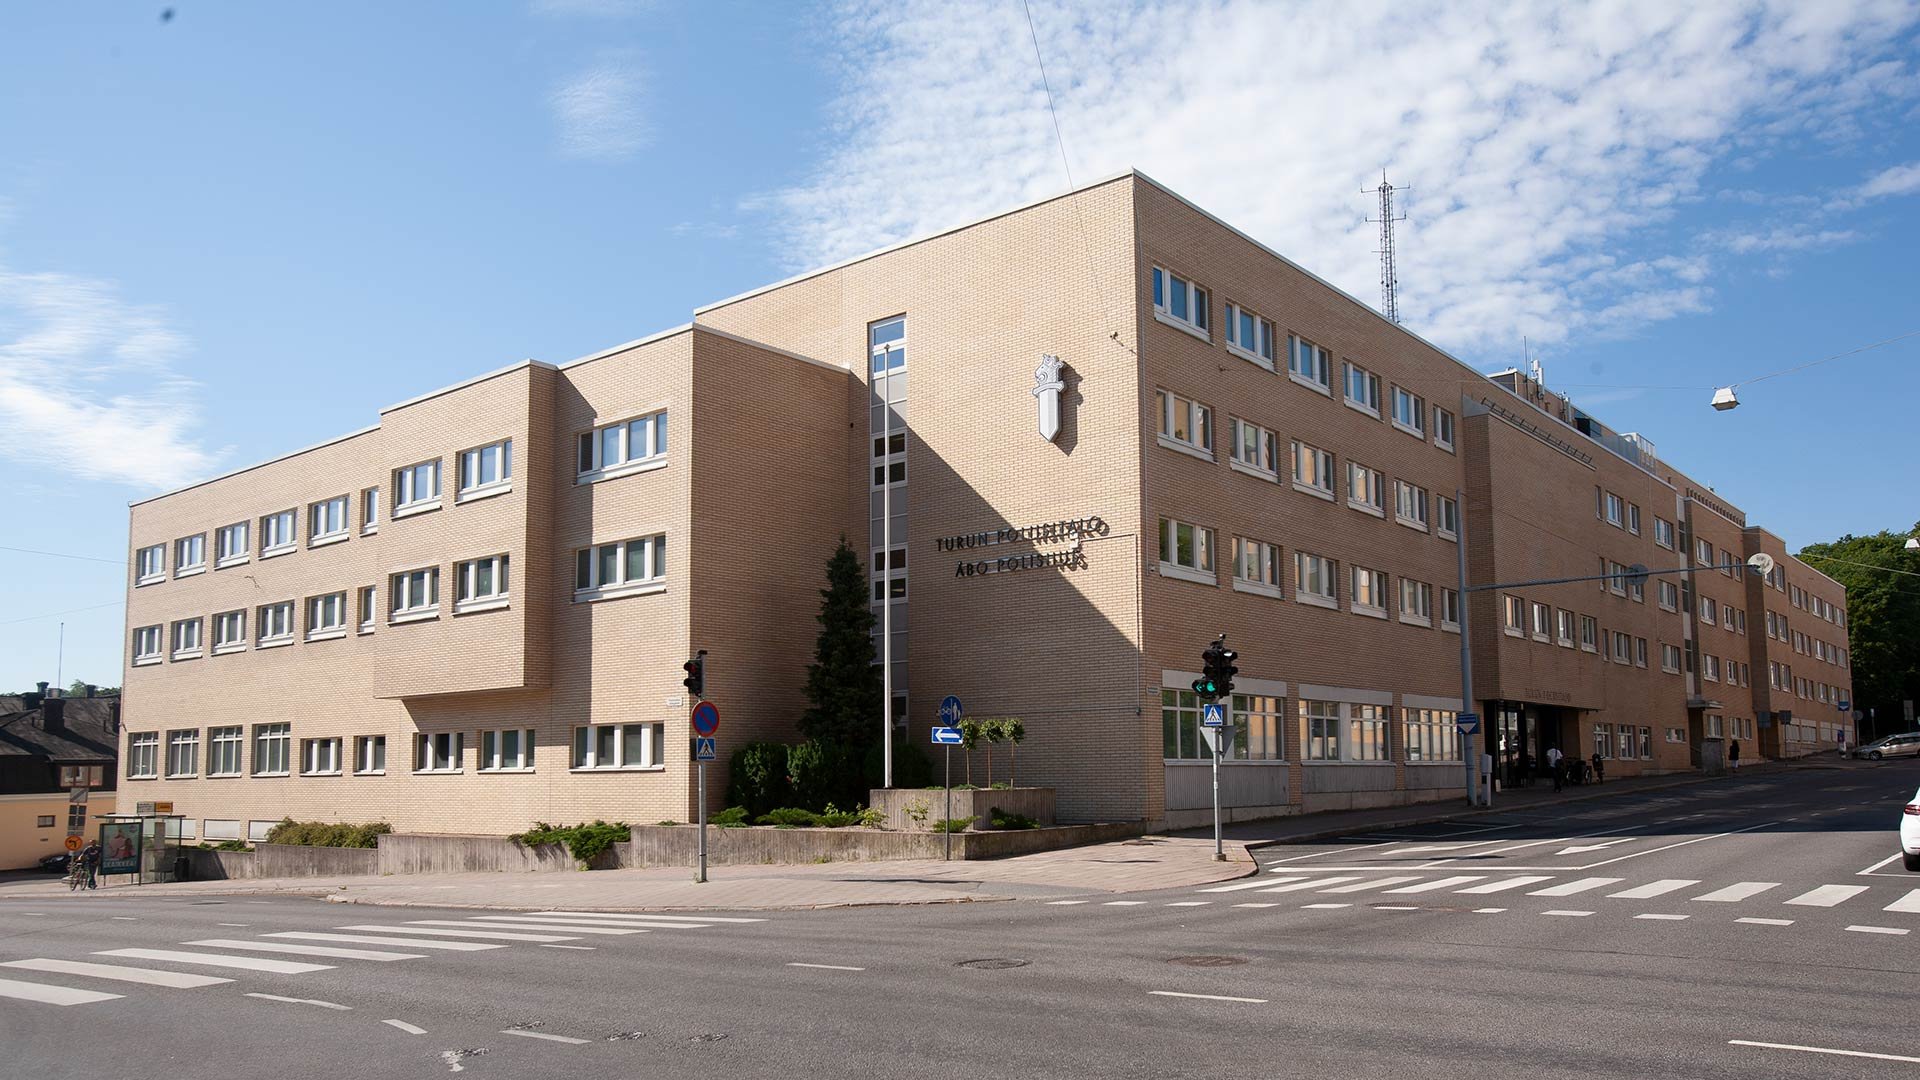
1599	768
90	860
1733	754
1554	763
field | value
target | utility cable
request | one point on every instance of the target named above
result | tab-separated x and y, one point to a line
61	555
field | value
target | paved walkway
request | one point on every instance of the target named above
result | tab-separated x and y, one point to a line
1147	863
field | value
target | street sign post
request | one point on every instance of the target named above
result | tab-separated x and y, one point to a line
1213	715
705	748
948	735
706	723
73	843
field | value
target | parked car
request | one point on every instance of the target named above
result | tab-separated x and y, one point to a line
55	863
1910	832
1907	745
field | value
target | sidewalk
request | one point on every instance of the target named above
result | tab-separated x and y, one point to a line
1140	865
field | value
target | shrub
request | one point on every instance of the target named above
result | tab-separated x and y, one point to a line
958	824
787	817
225	845
758	778
733	817
324	834
669	821
585	842
1005	819
911	766
824	772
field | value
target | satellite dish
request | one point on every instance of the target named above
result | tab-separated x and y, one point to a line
1762	564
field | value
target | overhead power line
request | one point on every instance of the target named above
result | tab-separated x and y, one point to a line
62	555
69	611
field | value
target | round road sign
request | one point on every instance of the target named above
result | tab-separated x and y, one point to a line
706	718
73	843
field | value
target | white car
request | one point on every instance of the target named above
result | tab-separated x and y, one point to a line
1910	832
1907	745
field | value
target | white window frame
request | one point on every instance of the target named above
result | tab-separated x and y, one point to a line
327	616
143	755
227	742
592	585
1316	580
413	595
232	544
607	450
369	511
320	757
1199	541
1178	411
430	747
1450	610
184	742
416	488
1616	511
1309	365
585	748
329	521
1622	647
1193	298
1368	592
1667	595
493	750
485	471
1368	384
1416	602
150	565
1670	658
1239	320
230	632
1663	532
1639	652
468	577
1633	518
1316	478
1589	634
279	533
266	736
1371	500
1257	568
370	755
1446	524
1514	616
1566	627
1411	404
188	637
1339	725
1432	736
1541	623
1444	428
1262	459
190	555
1410	504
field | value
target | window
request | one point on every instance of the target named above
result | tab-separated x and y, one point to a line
1312	470
1180	725
1409	504
1646	742
1542	622
327	520
1633	526
1323	729
1616	578
369	608
186	639
1442	428
1249	335
1515	622
1616	511
486	469
509	750
481	584
1703	554
1365	733
183	753
1603	740
1622	647
320	757
1313	580
1670	658
620	569
416	488
1256	721
1366	489
370	510
1447	515
889	459
1639	652
1710	665
143	755
1363	389
1416	602
1565	628
43	821
1255	448
414	594
1185	423
1669	595
229	631
271	745
1180	301
620	746
1709	610
93	776
1186	550
1409	412
887	342
277	533
1676	735
370	755
223	751
1256	566
1309	363
1369	592
1432	735
190	555
890	581
150	564
1716	726
1663	532
439	752
230	545
1589	633
326	616
1449	609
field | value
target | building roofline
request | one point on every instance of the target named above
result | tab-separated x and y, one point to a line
775	349
230	474
662	335
464	383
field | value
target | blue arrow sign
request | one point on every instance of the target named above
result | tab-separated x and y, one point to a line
1213	715
946	736
950	711
705	748
1469	723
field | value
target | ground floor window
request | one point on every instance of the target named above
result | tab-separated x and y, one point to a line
504	750
1626	742
1432	735
272	747
1344	731
320	757
1180	725
619	746
370	754
439	752
1646	742
223	751
1603	740
1256	721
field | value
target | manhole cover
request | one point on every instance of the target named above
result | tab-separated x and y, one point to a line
710	1037
623	1036
1208	961
994	964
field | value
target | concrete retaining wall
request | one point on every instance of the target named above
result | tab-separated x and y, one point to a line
975	803
281	860
679	845
409	854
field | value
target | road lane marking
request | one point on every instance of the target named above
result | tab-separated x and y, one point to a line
1123	903
1256	905
1488	910
1578	848
408	943
1428	886
302	1001
178	980
1365	885
1323	907
1311	883
1396	907
51	995
124	918
1766	922
1821	1050
1909	902
1574	914
232	924
1827	895
652	916
603	931
1876	866
568	1039
1737	892
1505	884
406	1027
1683	843
1065	903
1256	883
490	935
1207	997
303	950
1658	888
1897	931
1572	887
582	948
826	967
247	963
1190	903
1669	918
583	926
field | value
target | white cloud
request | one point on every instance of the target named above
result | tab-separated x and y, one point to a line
88	385
599	113
1796	236
1899	180
1546	149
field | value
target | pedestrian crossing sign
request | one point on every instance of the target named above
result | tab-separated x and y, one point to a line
1213	714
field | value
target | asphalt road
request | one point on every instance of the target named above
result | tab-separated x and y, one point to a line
1655	935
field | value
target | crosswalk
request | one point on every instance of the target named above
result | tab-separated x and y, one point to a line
65	982
1549	885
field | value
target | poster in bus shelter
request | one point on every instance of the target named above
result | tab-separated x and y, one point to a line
120	847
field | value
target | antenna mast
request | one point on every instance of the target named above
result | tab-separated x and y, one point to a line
1389	278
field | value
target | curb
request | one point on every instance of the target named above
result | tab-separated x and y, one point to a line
335	898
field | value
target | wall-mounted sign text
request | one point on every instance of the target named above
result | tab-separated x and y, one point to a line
1071	532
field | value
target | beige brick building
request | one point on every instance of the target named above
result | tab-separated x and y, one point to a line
472	615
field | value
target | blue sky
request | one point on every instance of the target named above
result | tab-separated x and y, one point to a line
244	229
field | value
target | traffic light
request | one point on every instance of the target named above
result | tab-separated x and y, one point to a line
1217	680
696	669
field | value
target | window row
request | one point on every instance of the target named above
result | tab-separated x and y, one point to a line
1187	553
1818	607
1618	512
595	747
1522	618
1324	730
1624	741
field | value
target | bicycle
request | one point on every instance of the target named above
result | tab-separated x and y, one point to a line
76	873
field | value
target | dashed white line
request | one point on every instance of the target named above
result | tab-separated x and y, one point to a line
1894	930
1429	886
826	967
1573	887
1256	883
1572	914
568	1039
1509	883
582	948
1256	905
1821	1050
1064	903
1323	907
1123	903
1190	903
1658	888
1766	922
1395	907
232	924
303	1001
1488	910
1668	918
1380	883
406	1027
1827	895
124	918
1737	892
1207	997
1909	902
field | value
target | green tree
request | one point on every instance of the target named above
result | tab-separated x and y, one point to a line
1883	619
843	682
1014	731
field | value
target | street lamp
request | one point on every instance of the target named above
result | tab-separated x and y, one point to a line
1913	543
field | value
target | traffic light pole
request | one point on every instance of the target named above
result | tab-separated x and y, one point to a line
1219	848
1466	655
